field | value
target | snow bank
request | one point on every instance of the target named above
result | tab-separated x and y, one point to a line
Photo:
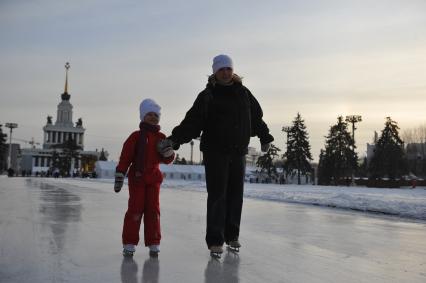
405	202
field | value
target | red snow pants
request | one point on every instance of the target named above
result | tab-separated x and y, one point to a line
144	202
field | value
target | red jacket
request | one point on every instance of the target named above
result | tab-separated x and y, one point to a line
151	173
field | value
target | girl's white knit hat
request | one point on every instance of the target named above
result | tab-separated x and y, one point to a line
222	61
148	105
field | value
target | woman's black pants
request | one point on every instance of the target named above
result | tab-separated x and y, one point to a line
225	187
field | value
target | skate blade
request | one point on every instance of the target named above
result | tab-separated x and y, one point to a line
233	249
153	254
216	255
127	253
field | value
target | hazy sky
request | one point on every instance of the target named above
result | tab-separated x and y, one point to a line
319	58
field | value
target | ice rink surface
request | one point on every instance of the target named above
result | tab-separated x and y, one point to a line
70	231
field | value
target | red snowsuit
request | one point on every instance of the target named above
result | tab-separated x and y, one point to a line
144	191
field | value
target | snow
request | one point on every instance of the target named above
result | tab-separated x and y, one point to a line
403	202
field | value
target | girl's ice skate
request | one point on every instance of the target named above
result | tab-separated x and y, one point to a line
154	250
216	251
128	250
234	246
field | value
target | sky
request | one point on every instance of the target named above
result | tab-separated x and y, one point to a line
320	58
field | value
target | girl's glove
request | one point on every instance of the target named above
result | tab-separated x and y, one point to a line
119	180
167	152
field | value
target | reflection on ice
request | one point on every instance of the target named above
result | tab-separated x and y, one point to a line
129	270
226	271
58	208
151	270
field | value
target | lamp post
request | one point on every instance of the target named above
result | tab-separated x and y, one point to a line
192	150
286	129
11	126
353	119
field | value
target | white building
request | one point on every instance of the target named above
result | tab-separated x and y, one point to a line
252	156
40	159
105	169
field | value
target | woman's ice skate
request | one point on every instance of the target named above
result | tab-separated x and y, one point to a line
216	251
234	246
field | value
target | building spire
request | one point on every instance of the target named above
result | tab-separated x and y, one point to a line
65	95
67	66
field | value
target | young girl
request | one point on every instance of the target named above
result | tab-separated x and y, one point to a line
141	155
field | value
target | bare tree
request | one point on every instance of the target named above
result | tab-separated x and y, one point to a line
415	135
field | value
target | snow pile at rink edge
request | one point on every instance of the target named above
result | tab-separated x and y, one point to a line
403	202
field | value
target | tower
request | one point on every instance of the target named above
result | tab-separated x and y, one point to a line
64	112
64	128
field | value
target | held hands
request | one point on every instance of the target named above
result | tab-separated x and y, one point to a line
119	180
265	147
165	148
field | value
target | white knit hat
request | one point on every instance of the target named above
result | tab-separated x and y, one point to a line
148	105
222	61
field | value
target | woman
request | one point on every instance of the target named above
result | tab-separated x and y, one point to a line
227	115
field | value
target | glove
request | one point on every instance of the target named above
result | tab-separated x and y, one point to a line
174	144
166	143
165	147
265	147
167	152
119	180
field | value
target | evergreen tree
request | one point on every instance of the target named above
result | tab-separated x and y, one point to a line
266	161
339	158
70	150
56	161
388	159
102	156
177	159
324	170
298	153
3	149
363	168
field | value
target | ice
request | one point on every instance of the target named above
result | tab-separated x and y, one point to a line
65	230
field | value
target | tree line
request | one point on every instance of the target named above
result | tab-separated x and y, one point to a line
338	161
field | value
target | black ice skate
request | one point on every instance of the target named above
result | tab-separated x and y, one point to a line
234	246
128	250
216	251
128	253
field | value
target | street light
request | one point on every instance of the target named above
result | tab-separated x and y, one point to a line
11	126
192	150
353	119
287	130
